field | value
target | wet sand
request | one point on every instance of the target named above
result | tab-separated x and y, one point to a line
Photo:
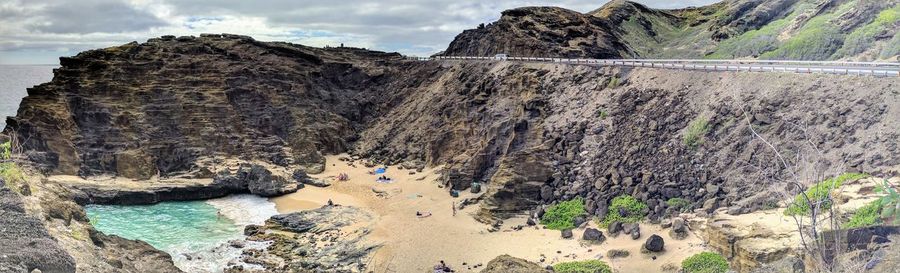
412	244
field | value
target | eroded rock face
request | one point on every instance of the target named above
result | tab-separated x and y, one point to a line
159	107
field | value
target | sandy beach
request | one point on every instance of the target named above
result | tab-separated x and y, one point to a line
412	244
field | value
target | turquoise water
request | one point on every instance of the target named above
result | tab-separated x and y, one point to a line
173	227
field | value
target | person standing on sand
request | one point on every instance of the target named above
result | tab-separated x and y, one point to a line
453	206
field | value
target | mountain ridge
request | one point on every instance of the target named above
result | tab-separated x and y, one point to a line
857	30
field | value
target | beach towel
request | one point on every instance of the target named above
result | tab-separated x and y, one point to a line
379	171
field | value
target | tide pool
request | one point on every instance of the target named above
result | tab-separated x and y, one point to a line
195	233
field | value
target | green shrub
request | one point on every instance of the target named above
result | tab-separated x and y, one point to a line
681	204
613	83
588	266
705	262
890	203
695	131
820	193
602	114
868	215
5	150
561	216
635	210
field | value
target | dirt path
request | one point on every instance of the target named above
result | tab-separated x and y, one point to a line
413	244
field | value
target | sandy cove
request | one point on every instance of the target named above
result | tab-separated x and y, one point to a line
412	244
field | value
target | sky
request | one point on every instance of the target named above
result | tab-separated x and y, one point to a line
40	31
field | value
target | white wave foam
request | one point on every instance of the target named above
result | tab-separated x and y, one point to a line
244	209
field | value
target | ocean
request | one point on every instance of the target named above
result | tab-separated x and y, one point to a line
195	233
13	81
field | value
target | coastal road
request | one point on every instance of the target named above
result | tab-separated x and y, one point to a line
878	69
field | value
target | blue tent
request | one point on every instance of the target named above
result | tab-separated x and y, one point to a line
379	171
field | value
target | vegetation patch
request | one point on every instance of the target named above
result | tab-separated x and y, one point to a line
693	134
705	262
9	172
863	38
890	203
561	216
681	204
602	114
614	82
868	215
751	43
819	194
818	39
625	209
587	266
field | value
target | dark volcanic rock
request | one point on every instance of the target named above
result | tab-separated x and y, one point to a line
294	222
24	242
614	228
566	234
654	244
593	235
540	31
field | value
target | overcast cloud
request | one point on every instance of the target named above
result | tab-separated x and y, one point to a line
39	31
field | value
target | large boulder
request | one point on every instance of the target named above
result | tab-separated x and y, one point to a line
566	234
593	235
256	179
614	228
654	244
301	177
510	264
679	229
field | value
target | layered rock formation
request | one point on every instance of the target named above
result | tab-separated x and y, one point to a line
327	239
156	108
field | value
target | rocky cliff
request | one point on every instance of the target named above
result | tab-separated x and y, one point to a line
157	108
535	133
780	29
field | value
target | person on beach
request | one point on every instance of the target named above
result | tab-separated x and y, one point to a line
422	214
442	267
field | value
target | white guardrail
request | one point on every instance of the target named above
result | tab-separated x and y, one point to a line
881	69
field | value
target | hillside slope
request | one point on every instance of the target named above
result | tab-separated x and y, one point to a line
861	30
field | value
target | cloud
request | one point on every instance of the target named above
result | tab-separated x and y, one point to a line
408	26
104	16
